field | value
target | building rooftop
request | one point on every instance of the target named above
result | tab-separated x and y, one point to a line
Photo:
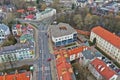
108	36
88	54
69	52
19	76
64	69
103	69
46	10
26	37
16	48
4	27
61	29
76	50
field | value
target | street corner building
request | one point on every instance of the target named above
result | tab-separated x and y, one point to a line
106	41
62	34
4	32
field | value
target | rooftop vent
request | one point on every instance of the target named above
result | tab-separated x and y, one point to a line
62	28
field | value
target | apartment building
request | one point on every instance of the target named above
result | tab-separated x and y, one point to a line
17	76
101	70
48	12
64	69
62	34
4	32
71	54
17	52
106	41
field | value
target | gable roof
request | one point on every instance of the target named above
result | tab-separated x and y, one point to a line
76	50
103	69
108	36
64	69
19	76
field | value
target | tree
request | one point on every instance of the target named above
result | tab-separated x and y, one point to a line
9	41
61	18
10	18
20	4
55	5
78	21
73	6
95	19
88	21
43	6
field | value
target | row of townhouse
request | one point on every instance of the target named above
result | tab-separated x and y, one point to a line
106	41
17	76
48	12
64	69
62	34
71	54
17	52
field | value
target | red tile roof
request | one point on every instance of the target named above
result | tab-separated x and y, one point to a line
103	69
64	69
71	51
76	50
31	9
20	10
18	26
108	36
20	76
30	16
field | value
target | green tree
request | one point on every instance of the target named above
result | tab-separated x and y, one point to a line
95	19
78	21
61	18
73	6
88	21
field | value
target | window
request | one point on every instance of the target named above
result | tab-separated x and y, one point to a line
56	39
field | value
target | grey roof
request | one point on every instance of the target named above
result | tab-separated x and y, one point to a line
4	27
16	48
57	31
88	54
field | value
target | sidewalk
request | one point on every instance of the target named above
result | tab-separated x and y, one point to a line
52	63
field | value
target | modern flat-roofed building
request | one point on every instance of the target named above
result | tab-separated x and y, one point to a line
4	32
62	34
106	41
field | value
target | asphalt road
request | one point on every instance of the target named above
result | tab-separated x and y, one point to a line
44	71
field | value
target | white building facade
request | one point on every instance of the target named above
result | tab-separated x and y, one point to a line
49	12
106	41
62	34
4	32
101	71
15	55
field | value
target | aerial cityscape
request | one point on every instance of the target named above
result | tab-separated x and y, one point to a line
59	39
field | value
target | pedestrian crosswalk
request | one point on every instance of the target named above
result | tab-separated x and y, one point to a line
45	68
